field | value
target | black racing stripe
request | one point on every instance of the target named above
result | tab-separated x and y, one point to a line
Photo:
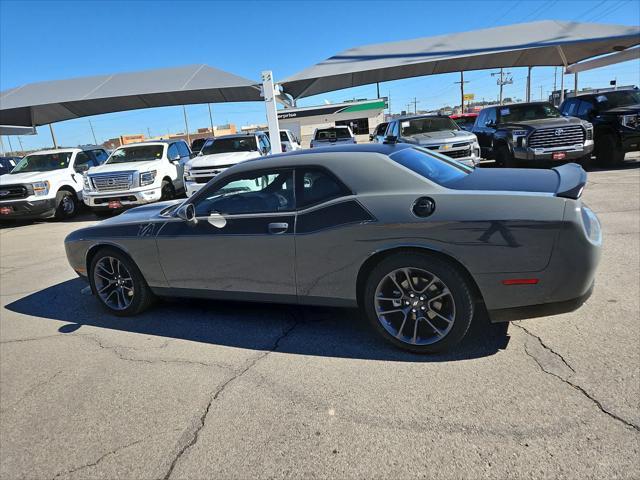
233	226
332	216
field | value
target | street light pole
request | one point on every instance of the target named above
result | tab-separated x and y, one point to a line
269	93
461	82
529	84
95	142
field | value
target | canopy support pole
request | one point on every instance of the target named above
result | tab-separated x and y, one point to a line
269	93
53	137
378	89
529	84
210	118
2	146
575	84
186	125
565	65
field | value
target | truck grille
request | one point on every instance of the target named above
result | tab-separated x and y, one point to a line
12	192
457	153
557	137
112	183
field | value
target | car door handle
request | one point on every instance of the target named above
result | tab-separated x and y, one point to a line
277	228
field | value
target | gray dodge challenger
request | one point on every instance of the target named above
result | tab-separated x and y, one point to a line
416	240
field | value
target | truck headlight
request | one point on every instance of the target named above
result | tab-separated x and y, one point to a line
86	182
630	121
147	178
40	189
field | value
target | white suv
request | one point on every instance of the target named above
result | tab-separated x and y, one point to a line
136	174
220	153
48	183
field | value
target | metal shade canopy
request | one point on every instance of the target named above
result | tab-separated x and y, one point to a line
544	43
53	101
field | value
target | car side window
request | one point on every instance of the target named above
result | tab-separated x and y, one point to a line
183	149
481	120
247	193
100	155
393	129
264	143
584	109
317	185
491	116
83	160
570	107
173	152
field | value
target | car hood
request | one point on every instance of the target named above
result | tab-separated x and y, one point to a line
222	159
125	167
626	110
30	177
140	214
544	123
445	136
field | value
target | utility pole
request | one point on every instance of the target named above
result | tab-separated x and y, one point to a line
415	105
20	142
95	142
10	146
503	79
186	124
389	102
148	132
53	137
408	108
529	84
462	82
555	73
210	118
541	99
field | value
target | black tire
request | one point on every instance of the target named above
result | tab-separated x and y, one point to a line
142	296
168	191
66	205
504	158
608	152
447	273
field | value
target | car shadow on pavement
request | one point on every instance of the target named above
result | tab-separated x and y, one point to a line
318	331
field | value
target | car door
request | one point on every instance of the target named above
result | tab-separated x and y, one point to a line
484	129
327	219
82	162
242	246
175	159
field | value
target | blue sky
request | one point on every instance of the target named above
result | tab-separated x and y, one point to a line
56	40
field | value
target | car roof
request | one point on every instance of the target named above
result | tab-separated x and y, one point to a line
239	135
595	94
415	117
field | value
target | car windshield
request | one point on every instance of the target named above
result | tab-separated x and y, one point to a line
437	168
523	113
140	153
197	144
44	162
618	99
332	133
231	145
416	126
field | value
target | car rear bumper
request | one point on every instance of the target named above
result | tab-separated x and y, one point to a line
572	152
100	201
23	209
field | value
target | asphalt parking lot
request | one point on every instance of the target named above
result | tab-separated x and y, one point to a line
195	389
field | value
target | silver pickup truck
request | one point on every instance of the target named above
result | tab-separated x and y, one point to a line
328	137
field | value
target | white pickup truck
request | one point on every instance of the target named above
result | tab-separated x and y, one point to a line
288	141
136	174
220	153
48	183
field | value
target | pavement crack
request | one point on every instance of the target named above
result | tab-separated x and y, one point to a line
30	339
190	437
33	389
545	346
586	394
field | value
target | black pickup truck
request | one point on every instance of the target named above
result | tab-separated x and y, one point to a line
532	133
615	116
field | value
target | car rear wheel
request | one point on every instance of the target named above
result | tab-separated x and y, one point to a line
608	153
66	205
418	302
117	282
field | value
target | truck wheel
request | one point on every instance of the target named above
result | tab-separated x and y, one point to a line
118	283
418	302
66	205
168	191
504	158
608	153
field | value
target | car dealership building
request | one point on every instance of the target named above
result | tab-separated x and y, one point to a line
361	115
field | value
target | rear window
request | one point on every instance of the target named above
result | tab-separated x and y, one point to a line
430	165
231	145
332	133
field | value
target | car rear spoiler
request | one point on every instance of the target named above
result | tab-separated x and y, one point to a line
572	179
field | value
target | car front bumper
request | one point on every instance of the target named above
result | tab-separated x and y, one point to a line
192	187
99	201
571	152
28	209
630	140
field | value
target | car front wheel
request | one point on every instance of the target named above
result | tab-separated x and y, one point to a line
118	284
418	302
66	205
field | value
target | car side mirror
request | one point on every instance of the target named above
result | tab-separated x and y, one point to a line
371	136
187	213
265	150
175	158
81	168
194	154
390	139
